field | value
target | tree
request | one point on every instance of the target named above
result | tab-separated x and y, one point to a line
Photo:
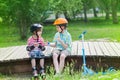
23	13
114	11
94	5
38	10
67	7
106	6
4	11
86	6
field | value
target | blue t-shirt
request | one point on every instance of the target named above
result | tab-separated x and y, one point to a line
66	38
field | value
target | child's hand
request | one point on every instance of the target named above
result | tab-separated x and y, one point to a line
46	43
58	39
36	44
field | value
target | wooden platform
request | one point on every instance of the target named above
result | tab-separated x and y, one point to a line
98	54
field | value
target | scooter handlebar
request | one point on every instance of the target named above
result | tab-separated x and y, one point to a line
83	33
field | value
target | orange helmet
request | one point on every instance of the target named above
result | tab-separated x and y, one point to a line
60	21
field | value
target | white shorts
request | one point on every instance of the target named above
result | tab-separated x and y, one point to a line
66	52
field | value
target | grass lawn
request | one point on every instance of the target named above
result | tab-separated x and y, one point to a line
96	29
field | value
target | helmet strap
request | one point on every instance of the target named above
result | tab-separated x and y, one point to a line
61	28
37	36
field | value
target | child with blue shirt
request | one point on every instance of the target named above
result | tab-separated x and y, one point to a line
62	40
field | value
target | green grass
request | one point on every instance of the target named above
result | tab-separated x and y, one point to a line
66	76
96	29
9	36
75	75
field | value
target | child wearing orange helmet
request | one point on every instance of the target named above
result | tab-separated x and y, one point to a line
62	40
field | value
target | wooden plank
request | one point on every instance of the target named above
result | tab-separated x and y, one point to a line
103	48
98	50
80	48
48	50
116	50
74	48
117	45
3	51
86	47
13	54
8	52
19	53
111	51
24	52
92	49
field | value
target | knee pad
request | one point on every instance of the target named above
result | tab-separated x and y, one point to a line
36	54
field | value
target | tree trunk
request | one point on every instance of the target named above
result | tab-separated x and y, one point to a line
85	12
114	11
66	15
57	15
23	22
95	12
23	29
73	12
107	15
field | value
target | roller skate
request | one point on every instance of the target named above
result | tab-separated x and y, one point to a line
35	74
42	74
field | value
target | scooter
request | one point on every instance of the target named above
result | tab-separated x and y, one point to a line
87	71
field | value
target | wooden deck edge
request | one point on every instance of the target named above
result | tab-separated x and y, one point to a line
24	65
71	56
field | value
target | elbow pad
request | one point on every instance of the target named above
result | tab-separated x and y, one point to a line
41	47
28	48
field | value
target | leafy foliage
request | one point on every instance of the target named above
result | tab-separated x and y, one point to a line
23	13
